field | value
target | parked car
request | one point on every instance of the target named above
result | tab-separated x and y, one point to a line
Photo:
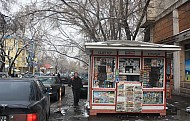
23	100
52	84
4	75
29	75
64	78
84	89
36	74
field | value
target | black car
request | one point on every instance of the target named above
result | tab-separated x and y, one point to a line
23	100
84	89
52	84
64	78
29	75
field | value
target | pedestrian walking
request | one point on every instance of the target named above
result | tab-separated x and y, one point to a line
76	84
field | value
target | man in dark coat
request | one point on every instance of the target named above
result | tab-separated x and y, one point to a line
76	84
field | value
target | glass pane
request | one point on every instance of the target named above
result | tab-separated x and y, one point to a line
187	55
153	73
47	80
104	69
10	91
129	69
152	97
187	66
103	97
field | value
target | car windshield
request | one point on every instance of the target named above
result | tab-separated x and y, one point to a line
84	78
47	80
13	91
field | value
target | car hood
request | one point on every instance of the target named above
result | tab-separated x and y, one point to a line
47	85
16	104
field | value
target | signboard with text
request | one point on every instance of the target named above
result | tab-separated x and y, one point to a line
105	52
130	52
153	53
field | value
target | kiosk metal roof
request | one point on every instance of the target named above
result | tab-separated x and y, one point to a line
130	45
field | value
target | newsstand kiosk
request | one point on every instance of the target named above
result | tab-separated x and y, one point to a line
127	77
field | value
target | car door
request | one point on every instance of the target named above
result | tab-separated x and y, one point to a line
46	95
43	103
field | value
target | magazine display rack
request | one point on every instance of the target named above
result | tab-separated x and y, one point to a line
129	97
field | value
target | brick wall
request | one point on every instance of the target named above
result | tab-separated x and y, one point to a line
184	16
163	28
185	88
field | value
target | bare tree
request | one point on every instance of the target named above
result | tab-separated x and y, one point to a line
6	4
104	20
21	32
95	20
100	20
8	29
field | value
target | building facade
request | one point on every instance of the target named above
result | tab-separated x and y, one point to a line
168	22
26	60
12	47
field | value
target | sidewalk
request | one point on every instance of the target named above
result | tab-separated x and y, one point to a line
180	102
68	112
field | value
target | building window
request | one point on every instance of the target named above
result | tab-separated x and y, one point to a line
187	62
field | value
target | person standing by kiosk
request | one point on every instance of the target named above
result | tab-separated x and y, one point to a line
76	84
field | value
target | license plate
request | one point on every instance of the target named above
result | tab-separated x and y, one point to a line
3	118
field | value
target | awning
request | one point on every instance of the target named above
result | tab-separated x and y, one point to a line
130	45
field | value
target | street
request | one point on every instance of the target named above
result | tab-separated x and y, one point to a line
69	113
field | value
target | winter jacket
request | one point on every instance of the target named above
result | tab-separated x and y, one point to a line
76	83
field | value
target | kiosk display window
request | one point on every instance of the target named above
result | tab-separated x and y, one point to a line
153	73
129	69
104	70
153	98
107	97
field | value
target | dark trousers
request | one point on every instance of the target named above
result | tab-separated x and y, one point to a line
76	95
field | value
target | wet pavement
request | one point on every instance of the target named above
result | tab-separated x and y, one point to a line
69	113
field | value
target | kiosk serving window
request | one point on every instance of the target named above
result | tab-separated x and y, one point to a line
153	73
129	69
104	68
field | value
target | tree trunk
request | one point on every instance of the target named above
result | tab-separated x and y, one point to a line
3	64
141	19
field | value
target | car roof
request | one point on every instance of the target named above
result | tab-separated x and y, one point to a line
17	79
46	76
